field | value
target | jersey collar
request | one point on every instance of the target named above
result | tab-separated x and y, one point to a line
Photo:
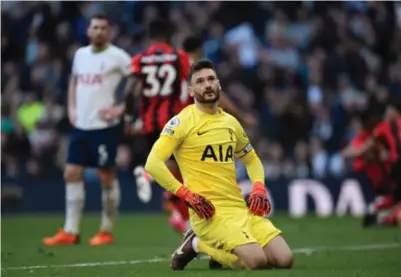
202	113
100	50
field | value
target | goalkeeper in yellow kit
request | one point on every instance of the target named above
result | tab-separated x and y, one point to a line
205	141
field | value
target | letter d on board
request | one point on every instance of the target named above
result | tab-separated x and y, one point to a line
298	198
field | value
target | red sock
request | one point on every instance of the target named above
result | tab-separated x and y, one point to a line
147	176
182	208
177	222
387	219
391	217
384	202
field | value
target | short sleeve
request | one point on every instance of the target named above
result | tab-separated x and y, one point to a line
125	63
74	70
175	129
135	65
243	146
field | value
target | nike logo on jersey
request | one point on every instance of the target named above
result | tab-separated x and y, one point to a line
201	133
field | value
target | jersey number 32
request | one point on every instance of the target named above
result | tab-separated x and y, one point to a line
159	79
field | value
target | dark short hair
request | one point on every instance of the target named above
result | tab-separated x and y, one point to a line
192	43
394	101
159	28
368	118
198	66
101	16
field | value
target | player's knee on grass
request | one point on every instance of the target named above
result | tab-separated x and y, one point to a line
73	173
106	176
252	255
278	253
284	260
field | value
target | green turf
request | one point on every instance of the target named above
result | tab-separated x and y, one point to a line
140	238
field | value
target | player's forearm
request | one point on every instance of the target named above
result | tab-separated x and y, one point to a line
157	168
133	91
129	106
156	163
348	152
352	152
254	167
128	102
129	85
71	93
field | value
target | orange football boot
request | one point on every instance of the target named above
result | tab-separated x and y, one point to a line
61	238
101	238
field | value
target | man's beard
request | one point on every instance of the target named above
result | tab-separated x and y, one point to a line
202	99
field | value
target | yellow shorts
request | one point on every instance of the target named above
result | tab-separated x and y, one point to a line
233	227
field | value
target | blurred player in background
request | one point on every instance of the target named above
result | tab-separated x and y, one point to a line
93	111
161	73
375	164
387	134
205	141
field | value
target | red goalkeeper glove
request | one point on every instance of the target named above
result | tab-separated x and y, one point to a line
203	207
257	201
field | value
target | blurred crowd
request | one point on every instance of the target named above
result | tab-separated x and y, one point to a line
304	69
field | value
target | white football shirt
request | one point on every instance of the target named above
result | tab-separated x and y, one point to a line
98	76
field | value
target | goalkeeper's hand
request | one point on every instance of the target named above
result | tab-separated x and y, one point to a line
203	207
257	202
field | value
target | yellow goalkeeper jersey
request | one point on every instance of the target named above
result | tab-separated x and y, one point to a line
205	147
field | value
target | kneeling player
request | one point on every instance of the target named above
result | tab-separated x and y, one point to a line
179	217
388	135
376	166
205	141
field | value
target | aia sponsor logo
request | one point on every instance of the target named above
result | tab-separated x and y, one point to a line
89	79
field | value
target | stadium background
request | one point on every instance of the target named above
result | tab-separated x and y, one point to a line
302	68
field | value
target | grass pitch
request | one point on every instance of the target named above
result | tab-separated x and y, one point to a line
336	247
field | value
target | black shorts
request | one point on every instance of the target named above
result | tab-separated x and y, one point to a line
150	139
94	148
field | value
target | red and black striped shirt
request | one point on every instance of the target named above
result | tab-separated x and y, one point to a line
163	71
389	134
377	170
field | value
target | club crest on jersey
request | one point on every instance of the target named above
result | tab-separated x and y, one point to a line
102	65
174	122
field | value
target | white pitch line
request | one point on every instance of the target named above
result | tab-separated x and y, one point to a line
306	251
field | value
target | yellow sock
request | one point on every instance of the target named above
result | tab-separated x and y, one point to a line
225	258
